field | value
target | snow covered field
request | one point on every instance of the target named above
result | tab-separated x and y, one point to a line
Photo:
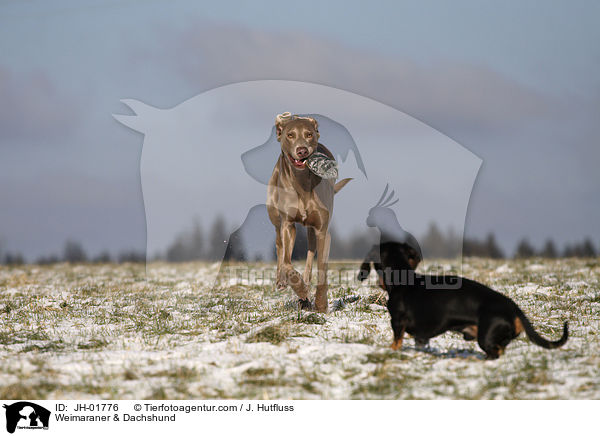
113	331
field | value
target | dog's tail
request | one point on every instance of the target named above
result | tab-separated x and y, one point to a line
536	338
339	185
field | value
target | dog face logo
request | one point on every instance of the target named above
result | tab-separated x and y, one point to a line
26	415
214	154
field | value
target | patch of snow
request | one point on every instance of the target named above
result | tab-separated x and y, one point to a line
504	269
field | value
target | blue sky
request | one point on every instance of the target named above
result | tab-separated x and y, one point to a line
517	83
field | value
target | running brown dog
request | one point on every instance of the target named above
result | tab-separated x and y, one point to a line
296	195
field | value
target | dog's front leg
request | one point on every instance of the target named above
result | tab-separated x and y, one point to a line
280	283
311	237
290	275
398	322
323	243
398	335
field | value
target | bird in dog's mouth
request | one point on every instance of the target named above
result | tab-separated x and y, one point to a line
318	163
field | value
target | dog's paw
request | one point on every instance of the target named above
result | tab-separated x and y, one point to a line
305	304
421	344
396	345
321	306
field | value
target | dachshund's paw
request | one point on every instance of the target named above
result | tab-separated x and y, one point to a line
421	344
397	344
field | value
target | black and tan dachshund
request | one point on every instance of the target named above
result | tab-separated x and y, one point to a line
470	308
411	255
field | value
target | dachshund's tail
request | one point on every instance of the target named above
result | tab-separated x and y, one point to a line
535	336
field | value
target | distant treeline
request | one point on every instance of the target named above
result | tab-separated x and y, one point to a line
193	244
73	252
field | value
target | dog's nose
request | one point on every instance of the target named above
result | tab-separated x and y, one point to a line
302	152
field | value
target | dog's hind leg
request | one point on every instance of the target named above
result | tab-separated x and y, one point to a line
311	237
494	334
469	332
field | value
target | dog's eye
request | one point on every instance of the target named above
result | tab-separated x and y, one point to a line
309	135
290	135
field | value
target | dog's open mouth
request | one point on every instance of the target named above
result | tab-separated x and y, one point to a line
298	163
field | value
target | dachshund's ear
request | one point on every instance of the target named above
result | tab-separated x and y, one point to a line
411	256
364	271
365	267
381	275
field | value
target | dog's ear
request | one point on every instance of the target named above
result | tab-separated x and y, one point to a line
405	255
315	125
412	256
365	269
280	122
278	130
381	275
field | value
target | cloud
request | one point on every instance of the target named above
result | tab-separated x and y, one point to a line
446	95
532	140
32	108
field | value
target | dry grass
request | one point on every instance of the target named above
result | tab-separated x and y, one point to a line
113	331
